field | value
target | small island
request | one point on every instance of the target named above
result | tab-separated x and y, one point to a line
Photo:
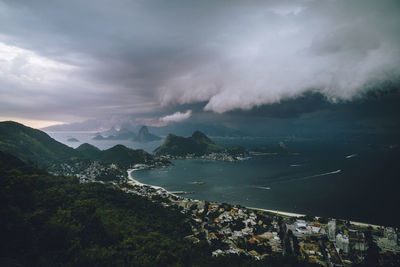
72	139
198	146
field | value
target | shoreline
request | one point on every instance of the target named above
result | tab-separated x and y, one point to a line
298	215
134	182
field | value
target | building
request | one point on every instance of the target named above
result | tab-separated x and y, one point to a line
390	234
332	230
389	241
342	242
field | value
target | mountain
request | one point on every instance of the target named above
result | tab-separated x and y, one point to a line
33	145
9	161
198	144
36	146
122	134
187	128
125	157
121	155
281	148
89	151
99	137
145	136
109	132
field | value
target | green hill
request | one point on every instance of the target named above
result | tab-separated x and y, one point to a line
121	155
33	145
124	156
198	144
89	151
36	146
280	148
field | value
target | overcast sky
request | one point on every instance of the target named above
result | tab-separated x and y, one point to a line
162	61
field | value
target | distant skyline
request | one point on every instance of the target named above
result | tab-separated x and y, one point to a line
229	62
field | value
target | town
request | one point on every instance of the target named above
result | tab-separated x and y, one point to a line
234	229
217	156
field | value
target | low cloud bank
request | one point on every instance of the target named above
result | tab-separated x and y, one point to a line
177	117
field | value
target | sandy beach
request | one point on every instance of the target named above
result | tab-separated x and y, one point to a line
278	212
132	181
297	215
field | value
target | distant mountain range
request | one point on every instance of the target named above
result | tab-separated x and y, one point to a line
36	146
198	144
143	135
122	134
187	128
182	129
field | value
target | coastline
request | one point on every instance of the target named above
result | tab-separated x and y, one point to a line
279	212
134	182
298	215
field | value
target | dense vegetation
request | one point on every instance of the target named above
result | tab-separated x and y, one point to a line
119	154
33	145
198	144
124	156
56	221
49	220
89	151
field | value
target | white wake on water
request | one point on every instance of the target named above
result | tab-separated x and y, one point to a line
301	178
263	187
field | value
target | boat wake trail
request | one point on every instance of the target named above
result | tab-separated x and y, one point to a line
301	178
318	175
263	187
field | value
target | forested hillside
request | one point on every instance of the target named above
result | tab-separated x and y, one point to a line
57	221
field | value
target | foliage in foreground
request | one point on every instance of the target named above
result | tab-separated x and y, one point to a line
56	221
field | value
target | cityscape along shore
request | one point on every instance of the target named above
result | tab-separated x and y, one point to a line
256	232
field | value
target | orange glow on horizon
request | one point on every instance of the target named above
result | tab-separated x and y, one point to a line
37	124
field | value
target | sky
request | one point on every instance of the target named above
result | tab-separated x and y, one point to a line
158	62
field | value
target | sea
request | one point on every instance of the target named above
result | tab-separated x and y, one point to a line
347	178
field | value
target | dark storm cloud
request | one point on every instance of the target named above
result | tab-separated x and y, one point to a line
79	59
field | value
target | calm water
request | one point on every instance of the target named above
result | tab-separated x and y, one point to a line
308	182
366	188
